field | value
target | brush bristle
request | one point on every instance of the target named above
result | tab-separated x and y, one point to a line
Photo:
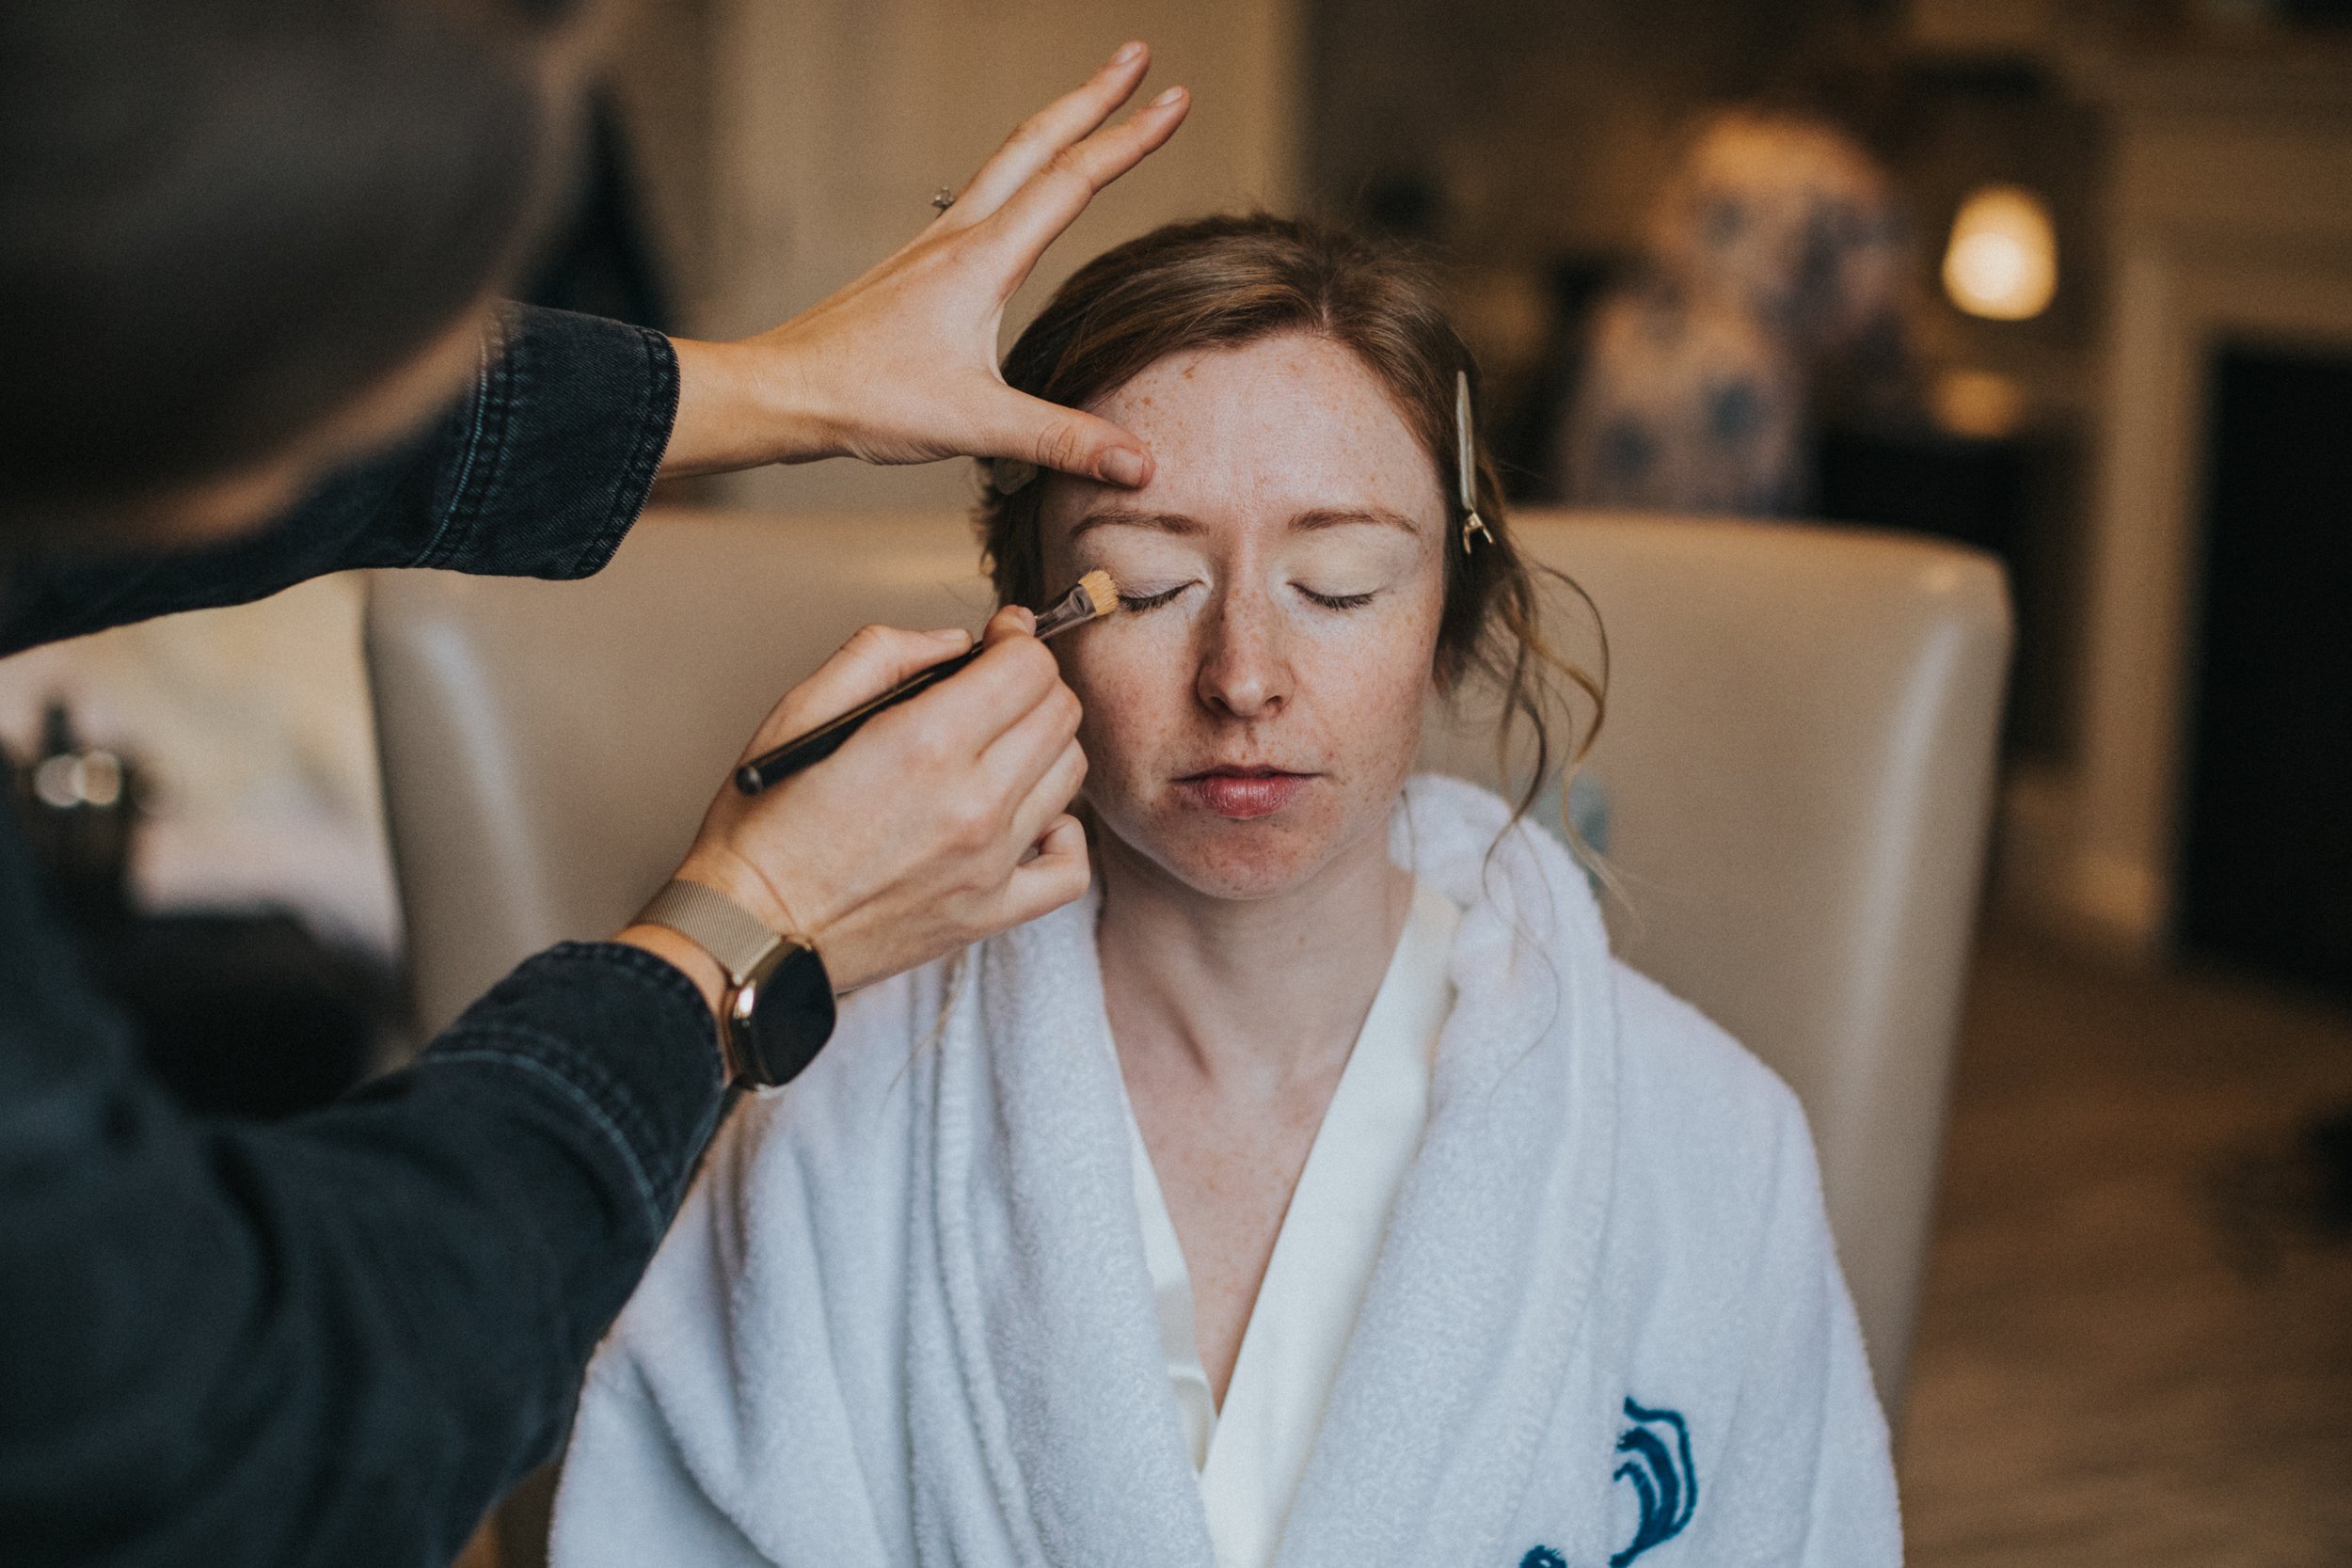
1101	591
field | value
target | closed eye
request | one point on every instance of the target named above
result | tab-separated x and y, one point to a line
1133	603
1338	601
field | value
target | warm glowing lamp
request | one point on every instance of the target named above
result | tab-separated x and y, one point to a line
2002	262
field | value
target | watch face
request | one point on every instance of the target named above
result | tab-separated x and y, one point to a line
781	1017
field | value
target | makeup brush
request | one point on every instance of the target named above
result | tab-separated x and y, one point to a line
1095	597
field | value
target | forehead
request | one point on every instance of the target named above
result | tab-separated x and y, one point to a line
1269	429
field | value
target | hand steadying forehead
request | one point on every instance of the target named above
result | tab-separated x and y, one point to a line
1278	429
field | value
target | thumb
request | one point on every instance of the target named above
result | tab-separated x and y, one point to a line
1011	621
1052	437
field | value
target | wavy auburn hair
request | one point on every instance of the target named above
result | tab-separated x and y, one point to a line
1221	283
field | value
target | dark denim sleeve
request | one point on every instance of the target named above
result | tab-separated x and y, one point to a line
337	1339
537	471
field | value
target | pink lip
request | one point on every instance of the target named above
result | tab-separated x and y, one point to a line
1244	793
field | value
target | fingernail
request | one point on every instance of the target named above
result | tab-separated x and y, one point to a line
1164	100
1125	465
1127	51
953	634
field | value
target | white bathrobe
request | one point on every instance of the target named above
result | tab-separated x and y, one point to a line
906	1318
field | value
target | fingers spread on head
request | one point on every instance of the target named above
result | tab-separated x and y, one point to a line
1053	437
1051	198
1047	131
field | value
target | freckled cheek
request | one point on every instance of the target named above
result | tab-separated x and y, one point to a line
1370	694
1132	703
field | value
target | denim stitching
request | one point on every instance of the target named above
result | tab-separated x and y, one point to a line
431	550
621	955
643	466
628	1114
636	1170
512	389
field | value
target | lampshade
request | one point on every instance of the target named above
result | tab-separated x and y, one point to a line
2002	262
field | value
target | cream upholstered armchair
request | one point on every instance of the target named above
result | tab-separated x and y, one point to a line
1798	765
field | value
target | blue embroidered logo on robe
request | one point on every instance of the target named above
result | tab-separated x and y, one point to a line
1663	1476
1657	1449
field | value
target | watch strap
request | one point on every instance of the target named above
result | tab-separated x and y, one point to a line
715	923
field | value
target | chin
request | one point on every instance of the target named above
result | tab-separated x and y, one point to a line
1243	877
1240	861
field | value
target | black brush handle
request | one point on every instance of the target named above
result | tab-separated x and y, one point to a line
806	751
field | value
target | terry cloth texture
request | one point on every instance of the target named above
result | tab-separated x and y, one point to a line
906	1317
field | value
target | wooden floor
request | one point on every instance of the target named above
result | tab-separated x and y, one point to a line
2135	1346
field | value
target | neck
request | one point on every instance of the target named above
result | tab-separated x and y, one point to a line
1255	996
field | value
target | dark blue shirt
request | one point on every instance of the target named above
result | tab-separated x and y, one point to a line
339	1338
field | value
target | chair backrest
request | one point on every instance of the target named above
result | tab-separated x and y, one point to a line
1797	764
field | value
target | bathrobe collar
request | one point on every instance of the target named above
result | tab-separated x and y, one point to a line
1457	1362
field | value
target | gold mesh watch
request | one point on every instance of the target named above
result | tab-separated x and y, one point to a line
777	1012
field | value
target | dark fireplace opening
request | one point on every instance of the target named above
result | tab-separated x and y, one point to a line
2267	861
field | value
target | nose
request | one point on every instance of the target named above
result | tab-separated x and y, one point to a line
1241	672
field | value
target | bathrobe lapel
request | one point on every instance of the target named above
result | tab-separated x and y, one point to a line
1038	1290
1048	1390
1463	1347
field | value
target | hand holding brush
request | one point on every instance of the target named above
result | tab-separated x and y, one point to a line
1096	596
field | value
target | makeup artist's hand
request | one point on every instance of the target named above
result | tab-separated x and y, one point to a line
941	823
900	366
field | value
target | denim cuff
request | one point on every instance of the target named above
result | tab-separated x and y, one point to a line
623	1041
563	436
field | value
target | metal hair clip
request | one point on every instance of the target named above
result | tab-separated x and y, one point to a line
1466	456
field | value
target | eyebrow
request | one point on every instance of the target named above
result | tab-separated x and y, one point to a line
1176	522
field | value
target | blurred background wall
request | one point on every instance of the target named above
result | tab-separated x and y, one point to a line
2188	162
790	146
1526	145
